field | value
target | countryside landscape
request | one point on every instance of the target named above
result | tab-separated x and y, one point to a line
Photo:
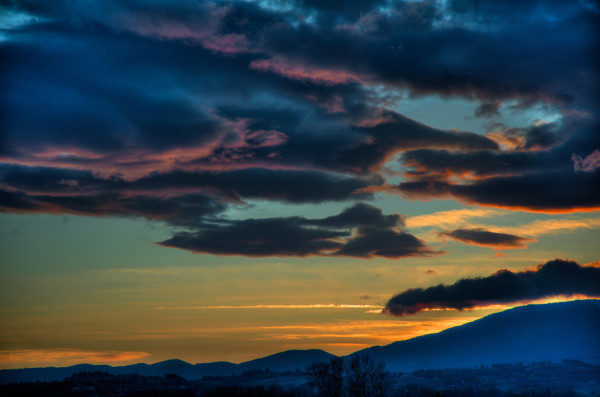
299	198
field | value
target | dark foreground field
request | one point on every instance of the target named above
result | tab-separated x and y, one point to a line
555	379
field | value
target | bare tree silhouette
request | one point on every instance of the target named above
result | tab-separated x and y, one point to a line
366	378
359	377
328	377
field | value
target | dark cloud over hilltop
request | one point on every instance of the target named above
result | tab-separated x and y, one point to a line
556	277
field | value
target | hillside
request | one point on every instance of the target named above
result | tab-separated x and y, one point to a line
566	330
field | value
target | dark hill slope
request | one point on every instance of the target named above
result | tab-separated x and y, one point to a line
528	333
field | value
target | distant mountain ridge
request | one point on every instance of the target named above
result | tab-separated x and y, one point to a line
557	331
290	360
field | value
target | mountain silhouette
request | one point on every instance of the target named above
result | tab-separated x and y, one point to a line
287	361
566	330
547	332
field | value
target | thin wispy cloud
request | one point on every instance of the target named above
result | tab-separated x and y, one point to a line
244	307
551	226
47	357
450	218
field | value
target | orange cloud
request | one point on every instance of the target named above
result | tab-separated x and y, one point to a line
366	333
550	226
65	357
450	218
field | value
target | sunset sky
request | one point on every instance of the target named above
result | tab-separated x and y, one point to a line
220	181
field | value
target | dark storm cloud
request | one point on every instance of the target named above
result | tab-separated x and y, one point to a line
276	185
15	201
259	237
186	210
163	197
371	241
556	277
397	133
361	230
50	180
299	236
360	214
534	180
551	192
478	162
84	87
486	238
428	47
86	97
283	185
450	59
358	149
491	9
173	110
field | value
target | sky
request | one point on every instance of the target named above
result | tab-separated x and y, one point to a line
220	181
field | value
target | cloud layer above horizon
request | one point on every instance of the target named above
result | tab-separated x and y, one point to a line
177	111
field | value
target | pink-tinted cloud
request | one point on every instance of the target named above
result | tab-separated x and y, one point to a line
327	77
588	164
204	29
232	43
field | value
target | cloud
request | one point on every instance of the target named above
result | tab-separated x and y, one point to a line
554	278
395	133
475	164
294	186
175	110
488	110
588	164
347	234
64	357
538	136
259	237
308	74
541	181
550	193
177	197
450	218
486	238
266	306
549	226
368	297
371	241
360	214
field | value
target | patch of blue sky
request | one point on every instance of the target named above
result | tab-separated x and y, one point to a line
457	113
